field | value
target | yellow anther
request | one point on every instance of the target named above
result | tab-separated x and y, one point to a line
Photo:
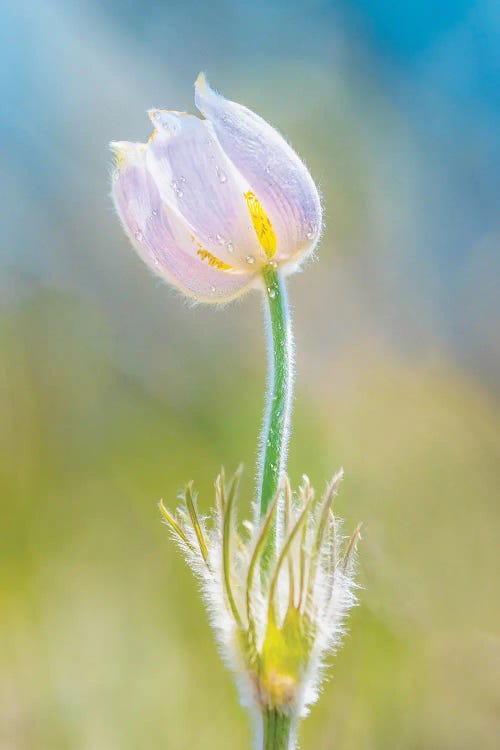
212	260
262	224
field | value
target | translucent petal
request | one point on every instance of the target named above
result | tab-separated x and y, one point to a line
162	238
199	182
272	168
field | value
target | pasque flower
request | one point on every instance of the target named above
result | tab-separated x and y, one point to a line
207	203
217	206
274	629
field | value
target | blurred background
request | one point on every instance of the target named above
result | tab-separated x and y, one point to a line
114	391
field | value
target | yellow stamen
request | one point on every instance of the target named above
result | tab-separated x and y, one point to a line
261	224
212	260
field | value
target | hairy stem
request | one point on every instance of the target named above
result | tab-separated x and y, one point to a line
276	427
277	731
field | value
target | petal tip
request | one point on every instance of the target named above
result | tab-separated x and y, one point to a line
125	152
201	83
117	147
166	121
202	91
154	114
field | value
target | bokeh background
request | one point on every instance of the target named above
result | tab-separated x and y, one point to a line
114	391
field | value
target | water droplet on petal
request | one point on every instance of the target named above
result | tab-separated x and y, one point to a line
311	231
154	212
220	239
138	235
271	292
230	247
177	188
213	289
250	260
221	174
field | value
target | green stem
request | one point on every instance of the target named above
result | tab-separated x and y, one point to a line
276	428
277	731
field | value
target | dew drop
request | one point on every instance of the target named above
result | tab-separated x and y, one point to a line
250	260
271	292
310	232
230	247
177	188
154	212
220	239
213	289
138	235
221	174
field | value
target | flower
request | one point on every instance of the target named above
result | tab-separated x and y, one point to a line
274	627
210	203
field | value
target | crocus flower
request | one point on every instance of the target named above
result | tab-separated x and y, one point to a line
209	203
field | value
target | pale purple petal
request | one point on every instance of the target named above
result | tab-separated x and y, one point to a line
162	238
196	179
272	168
